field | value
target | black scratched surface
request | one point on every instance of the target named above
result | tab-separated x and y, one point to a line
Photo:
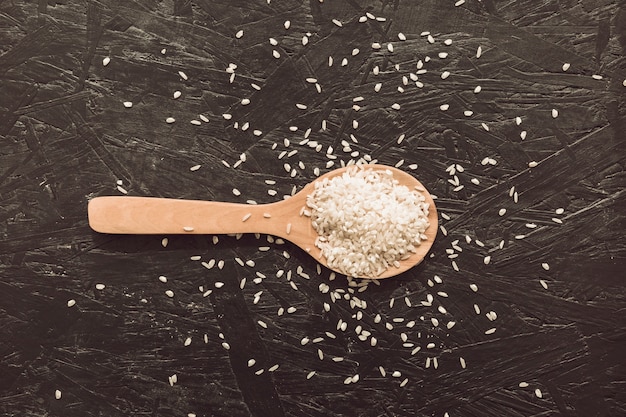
66	137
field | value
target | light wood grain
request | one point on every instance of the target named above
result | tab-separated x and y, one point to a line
149	215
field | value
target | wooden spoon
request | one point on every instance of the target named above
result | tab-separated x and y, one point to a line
150	215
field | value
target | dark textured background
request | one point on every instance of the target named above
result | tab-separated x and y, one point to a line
66	137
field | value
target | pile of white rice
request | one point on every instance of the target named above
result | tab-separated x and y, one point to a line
366	221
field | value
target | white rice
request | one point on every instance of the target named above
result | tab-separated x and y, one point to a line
366	221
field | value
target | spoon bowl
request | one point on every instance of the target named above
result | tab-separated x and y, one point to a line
152	215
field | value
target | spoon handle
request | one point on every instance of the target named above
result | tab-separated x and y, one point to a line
151	215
